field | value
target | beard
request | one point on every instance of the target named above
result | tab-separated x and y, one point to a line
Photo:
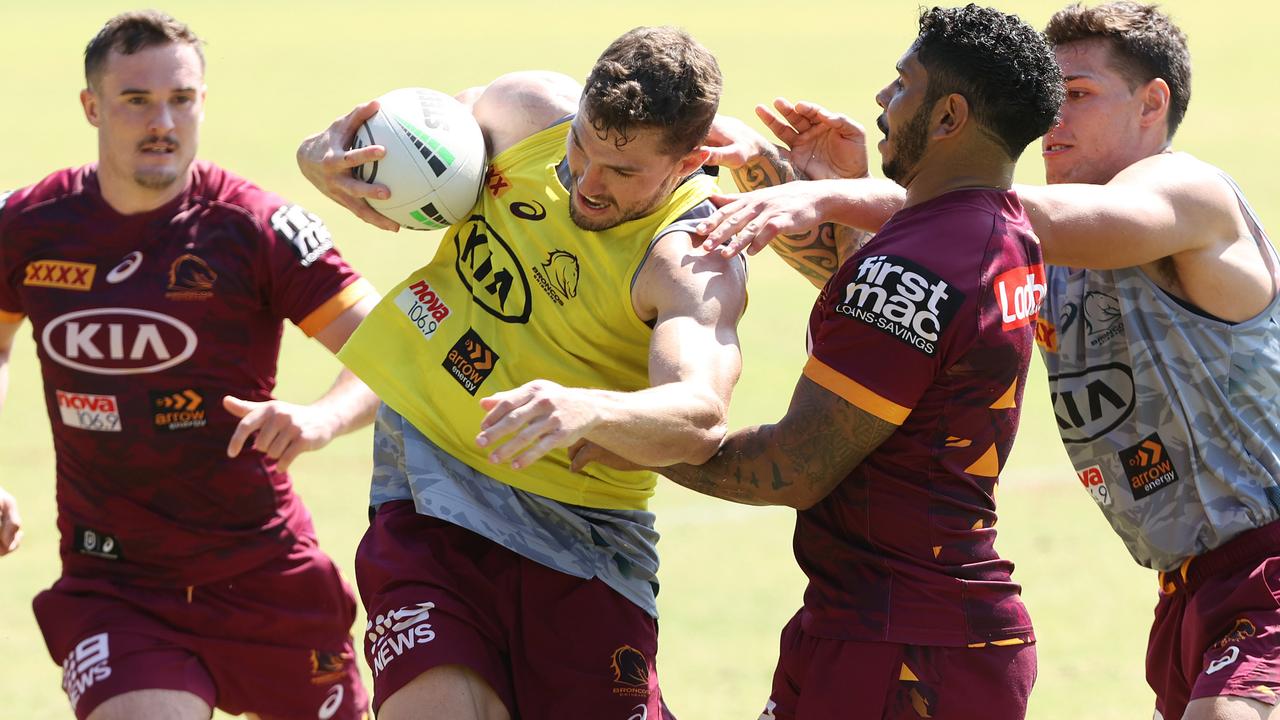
162	177
908	146
592	224
157	179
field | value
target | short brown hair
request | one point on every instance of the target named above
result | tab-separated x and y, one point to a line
655	77
129	32
1145	43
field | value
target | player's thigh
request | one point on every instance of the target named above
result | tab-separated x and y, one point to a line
582	650
1230	708
434	595
154	705
447	692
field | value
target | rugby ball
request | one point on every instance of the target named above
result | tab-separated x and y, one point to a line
435	160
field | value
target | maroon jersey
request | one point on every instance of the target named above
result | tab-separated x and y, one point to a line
143	323
928	327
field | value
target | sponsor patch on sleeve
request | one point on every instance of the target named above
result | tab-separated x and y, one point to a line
1148	467
99	413
423	306
304	230
1019	292
902	299
470	361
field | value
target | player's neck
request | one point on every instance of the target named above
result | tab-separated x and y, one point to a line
928	185
127	197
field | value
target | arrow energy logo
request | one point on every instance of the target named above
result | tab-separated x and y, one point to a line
178	410
1148	467
470	361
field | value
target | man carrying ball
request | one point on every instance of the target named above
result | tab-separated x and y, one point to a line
572	307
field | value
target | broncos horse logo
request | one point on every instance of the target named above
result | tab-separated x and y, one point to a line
562	270
629	667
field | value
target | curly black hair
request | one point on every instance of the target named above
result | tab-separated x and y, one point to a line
654	77
1002	66
1145	44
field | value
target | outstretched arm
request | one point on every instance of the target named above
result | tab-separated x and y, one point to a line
284	430
796	462
819	144
695	300
1159	207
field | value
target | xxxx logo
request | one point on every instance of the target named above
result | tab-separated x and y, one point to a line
178	410
470	361
61	274
496	184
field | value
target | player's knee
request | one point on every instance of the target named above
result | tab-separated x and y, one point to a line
1230	708
153	704
448	692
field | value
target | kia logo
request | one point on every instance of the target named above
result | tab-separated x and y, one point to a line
118	341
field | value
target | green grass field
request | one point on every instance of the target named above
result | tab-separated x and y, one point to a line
278	71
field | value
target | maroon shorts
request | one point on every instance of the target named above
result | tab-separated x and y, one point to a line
549	644
273	641
1217	625
821	678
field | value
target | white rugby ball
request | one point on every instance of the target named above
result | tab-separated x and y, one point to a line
435	162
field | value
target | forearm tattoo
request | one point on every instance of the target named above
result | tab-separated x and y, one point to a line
820	441
816	254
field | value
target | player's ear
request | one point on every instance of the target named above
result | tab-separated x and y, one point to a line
951	114
1155	101
89	102
693	160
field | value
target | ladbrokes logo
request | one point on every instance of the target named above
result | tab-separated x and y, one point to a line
99	413
1019	292
470	361
178	410
396	633
630	672
1148	467
61	274
190	278
558	276
423	306
902	299
118	341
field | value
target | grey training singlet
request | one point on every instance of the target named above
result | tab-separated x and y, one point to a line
1168	415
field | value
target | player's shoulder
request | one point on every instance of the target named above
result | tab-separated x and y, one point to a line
521	104
272	217
64	184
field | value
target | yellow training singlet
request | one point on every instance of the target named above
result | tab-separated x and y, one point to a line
515	293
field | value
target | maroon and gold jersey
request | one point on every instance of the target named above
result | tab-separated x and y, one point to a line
143	323
929	327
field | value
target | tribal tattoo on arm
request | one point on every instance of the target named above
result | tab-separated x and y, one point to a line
816	254
796	462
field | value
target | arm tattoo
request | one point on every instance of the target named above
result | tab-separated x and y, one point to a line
816	254
797	461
